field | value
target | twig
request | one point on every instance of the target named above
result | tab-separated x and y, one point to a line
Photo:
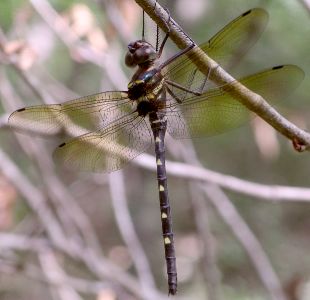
68	210
116	20
251	100
97	264
126	227
242	232
72	41
209	262
35	199
105	269
17	242
56	276
35	273
23	243
274	193
185	151
248	240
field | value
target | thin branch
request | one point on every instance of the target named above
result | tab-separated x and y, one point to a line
274	193
22	243
104	268
209	261
35	273
72	216
185	151
126	227
98	265
56	276
17	242
248	240
251	100
35	199
73	42
241	230
115	18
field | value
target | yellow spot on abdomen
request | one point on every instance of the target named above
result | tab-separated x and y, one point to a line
161	188
164	216
159	163
151	96
157	140
167	241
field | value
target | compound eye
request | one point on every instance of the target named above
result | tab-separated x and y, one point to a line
129	60
137	45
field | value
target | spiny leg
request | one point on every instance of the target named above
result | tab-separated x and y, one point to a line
174	57
167	33
187	89
173	95
143	25
180	87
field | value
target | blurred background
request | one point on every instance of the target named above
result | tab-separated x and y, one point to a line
68	235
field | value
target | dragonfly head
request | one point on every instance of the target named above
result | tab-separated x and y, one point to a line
140	52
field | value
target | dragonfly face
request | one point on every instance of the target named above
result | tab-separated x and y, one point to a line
140	53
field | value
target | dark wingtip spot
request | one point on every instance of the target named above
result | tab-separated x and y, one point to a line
246	13
61	145
277	67
21	109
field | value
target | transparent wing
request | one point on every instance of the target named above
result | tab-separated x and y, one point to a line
215	111
88	113
226	47
107	149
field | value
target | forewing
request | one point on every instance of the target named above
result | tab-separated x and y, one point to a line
236	38
226	48
107	149
87	113
215	111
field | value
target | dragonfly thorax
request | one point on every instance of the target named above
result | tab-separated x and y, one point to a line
146	83
145	107
146	88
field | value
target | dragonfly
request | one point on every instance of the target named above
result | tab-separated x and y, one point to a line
111	128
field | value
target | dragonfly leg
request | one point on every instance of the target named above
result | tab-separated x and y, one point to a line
198	92
161	48
180	87
157	31
174	57
201	89
175	97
